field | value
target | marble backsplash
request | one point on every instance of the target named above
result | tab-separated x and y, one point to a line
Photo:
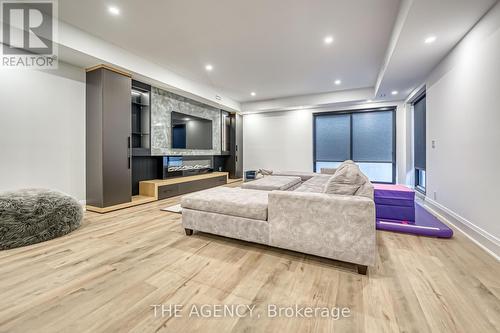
162	105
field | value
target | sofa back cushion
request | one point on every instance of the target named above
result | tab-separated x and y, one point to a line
366	190
347	180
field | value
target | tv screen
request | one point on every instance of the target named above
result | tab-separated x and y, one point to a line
190	132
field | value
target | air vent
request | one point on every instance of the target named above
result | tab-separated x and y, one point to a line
217	97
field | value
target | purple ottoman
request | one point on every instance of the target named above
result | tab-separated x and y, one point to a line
394	202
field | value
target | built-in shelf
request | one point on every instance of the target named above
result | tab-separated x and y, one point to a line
140	104
140	99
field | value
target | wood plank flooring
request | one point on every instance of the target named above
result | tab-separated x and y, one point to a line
106	276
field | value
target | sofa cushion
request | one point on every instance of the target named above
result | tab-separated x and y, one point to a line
302	174
272	183
315	185
246	203
347	180
366	190
328	171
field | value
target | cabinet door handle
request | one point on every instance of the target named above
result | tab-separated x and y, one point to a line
128	152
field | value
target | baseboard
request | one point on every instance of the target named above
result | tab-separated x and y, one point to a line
83	203
484	239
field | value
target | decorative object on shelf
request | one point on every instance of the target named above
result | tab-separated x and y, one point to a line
32	216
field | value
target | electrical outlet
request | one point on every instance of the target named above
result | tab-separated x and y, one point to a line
433	144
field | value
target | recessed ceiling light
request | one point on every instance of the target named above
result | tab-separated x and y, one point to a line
337	82
328	40
430	40
114	10
253	93
394	92
209	67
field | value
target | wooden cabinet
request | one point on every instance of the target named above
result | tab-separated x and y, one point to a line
167	188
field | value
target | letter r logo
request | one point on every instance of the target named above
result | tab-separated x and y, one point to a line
27	27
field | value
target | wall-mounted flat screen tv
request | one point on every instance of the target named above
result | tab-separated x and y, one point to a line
190	132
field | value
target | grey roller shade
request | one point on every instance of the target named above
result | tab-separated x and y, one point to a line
419	111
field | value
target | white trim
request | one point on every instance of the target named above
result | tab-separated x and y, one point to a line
485	240
416	93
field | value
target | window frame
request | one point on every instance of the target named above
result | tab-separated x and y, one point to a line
350	113
418	186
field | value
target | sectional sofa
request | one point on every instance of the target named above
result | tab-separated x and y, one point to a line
294	211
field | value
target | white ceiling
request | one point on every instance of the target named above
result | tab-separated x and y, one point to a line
276	48
412	60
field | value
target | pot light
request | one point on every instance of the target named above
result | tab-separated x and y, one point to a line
328	40
337	82
394	92
253	93
114	10
430	40
209	67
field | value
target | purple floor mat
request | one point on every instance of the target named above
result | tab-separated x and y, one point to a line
425	224
394	202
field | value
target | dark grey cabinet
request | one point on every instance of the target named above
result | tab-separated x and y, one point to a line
239	146
108	141
234	161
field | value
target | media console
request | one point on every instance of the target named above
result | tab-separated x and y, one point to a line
171	187
158	189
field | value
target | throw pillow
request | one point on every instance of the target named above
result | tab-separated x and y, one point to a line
346	180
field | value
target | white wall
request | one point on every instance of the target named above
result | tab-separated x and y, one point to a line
283	140
463	116
278	140
42	129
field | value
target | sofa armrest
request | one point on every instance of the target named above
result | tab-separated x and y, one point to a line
333	226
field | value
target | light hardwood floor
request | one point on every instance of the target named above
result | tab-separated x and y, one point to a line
105	276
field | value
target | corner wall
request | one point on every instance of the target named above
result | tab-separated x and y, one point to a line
463	117
42	129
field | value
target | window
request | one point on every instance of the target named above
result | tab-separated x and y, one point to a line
419	142
366	136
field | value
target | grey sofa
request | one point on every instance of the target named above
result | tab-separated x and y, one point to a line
304	219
